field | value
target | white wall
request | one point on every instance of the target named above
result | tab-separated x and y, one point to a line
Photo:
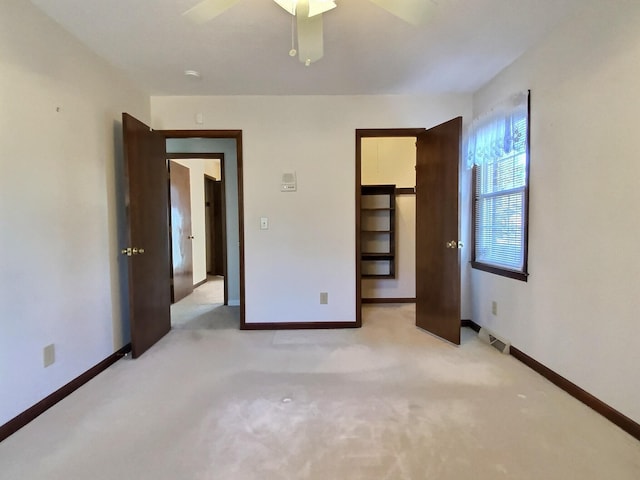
59	263
392	160
578	313
212	168
310	245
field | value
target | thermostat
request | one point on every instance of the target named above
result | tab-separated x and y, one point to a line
288	182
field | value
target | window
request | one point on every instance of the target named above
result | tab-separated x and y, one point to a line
498	147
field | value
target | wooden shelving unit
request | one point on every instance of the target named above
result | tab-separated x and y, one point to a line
378	231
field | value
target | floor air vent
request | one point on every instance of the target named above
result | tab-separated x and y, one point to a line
492	339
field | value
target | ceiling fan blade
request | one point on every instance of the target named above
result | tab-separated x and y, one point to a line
310	44
207	10
288	5
412	11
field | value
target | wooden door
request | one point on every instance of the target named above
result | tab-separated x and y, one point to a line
209	224
146	200
181	232
214	228
437	254
217	220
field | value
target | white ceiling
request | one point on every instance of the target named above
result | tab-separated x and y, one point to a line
244	51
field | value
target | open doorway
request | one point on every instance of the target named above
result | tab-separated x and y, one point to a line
388	219
214	301
197	225
385	173
145	234
437	222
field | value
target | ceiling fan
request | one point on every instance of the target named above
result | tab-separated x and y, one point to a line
308	19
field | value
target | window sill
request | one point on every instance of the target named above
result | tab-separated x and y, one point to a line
503	272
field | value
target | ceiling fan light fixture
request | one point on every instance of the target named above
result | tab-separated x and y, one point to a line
316	7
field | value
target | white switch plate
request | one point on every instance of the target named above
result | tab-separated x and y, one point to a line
49	355
264	223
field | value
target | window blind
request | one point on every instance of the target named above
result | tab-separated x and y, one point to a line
501	183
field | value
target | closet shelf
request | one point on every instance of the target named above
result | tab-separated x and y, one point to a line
377	228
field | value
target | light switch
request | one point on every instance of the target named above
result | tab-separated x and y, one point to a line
264	223
49	355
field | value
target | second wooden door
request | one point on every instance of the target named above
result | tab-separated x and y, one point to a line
181	232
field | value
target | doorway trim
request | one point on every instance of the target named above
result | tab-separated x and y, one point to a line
360	134
222	134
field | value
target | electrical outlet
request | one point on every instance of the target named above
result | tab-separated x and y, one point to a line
49	355
324	298
494	307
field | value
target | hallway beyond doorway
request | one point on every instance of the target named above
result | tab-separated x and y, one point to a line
204	309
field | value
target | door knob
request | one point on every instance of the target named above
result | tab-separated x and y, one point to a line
132	251
452	244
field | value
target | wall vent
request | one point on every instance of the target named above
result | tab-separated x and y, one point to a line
492	339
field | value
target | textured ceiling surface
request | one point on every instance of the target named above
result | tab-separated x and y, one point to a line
245	50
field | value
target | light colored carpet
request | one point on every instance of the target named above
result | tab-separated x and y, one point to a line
387	401
204	309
